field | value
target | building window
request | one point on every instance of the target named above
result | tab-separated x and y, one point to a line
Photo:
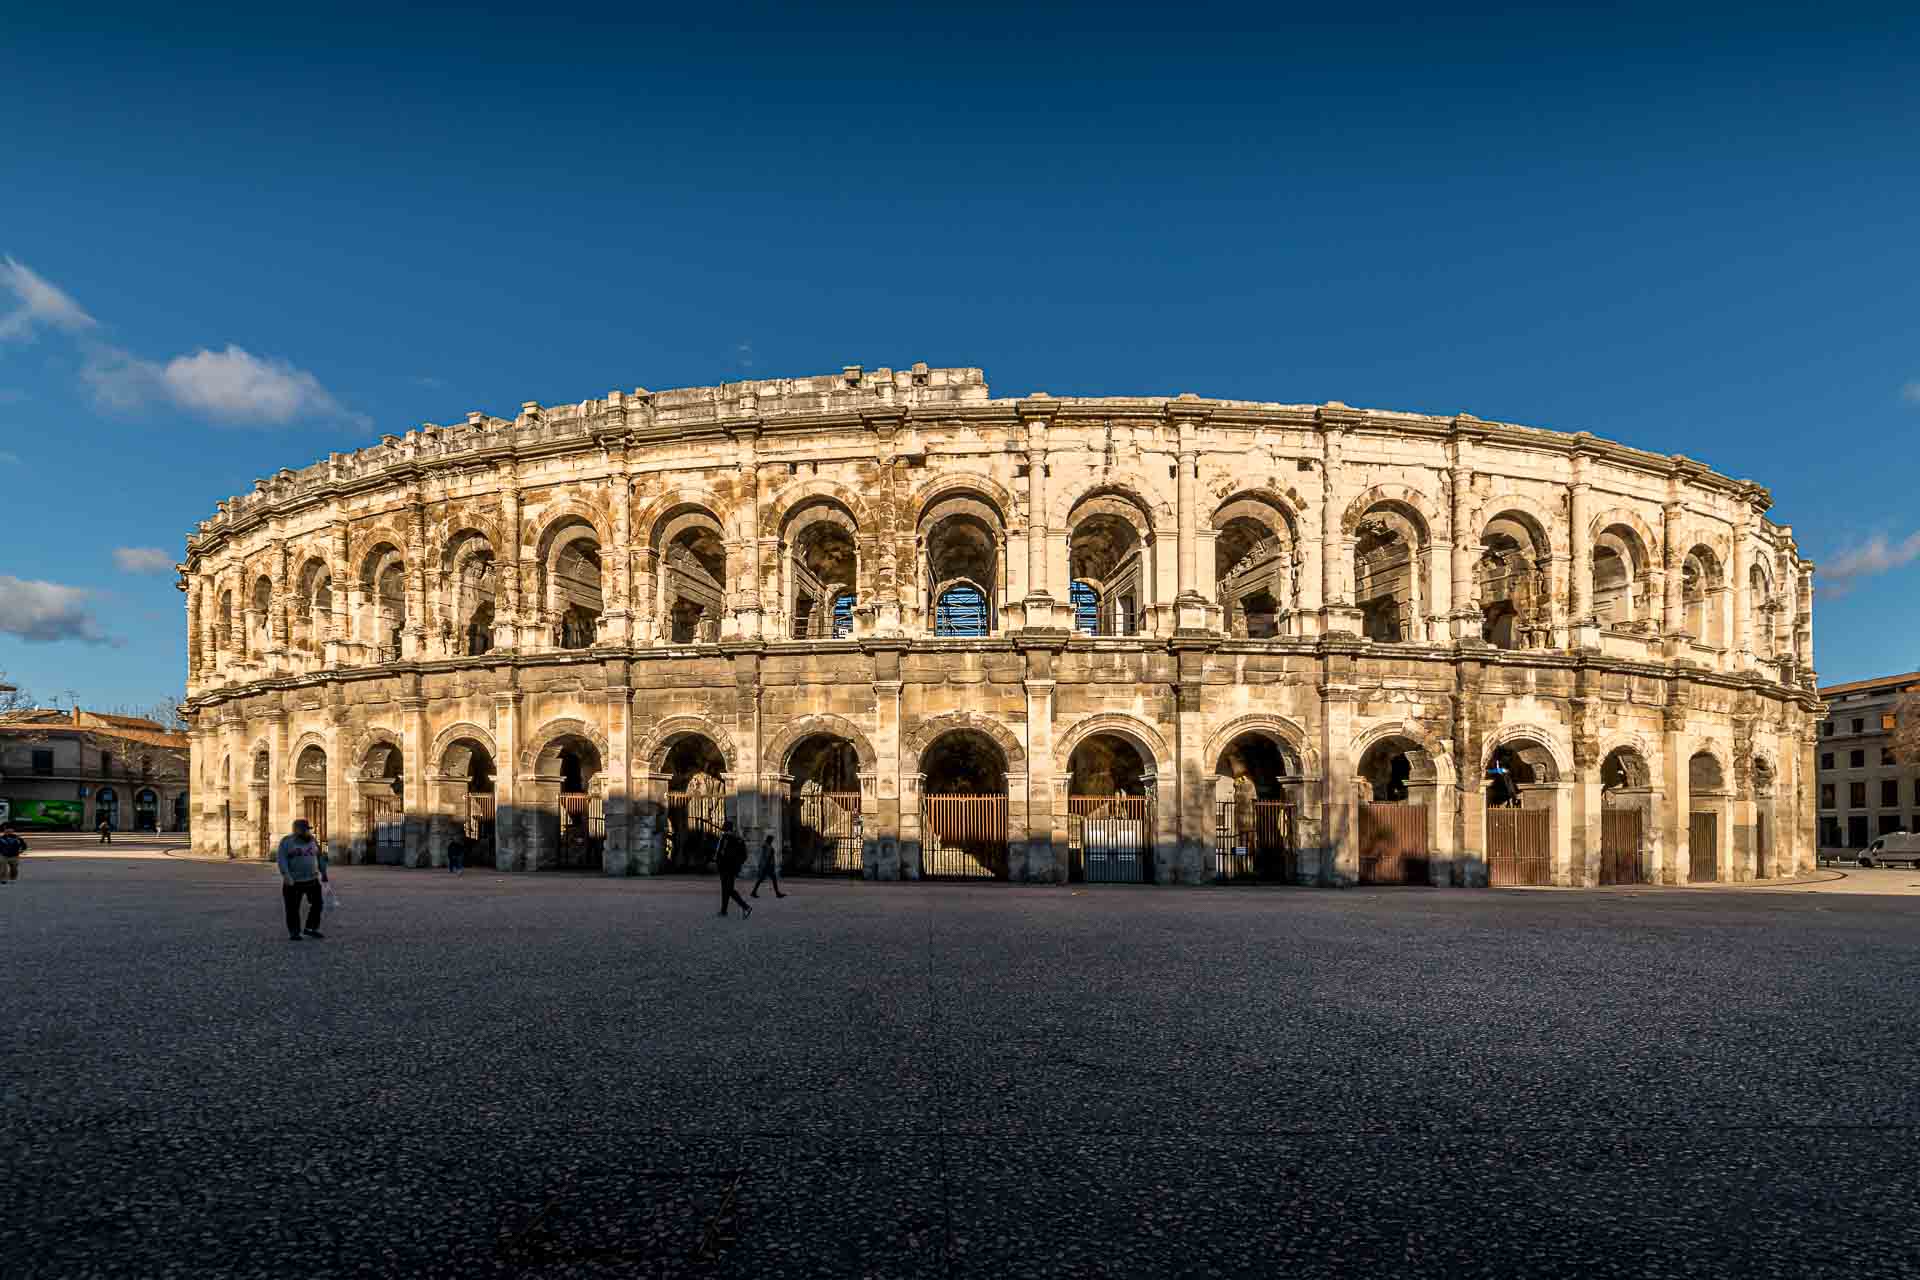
1889	793
1856	759
1857	832
1859	725
1086	608
1887	720
43	762
1826	728
1886	755
106	762
1826	795
962	611
1856	795
1829	833
1889	824
1826	759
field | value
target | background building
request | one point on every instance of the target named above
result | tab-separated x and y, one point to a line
73	768
909	629
1864	792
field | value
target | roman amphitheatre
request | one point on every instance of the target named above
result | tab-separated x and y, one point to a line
912	631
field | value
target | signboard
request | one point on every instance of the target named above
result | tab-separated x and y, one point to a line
48	813
6	811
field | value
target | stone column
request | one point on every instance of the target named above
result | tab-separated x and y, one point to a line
1340	863
1585	632
746	770
1673	619
417	803
1039	605
1803	637
1191	606
1336	549
1674	815
1046	841
646	593
1740	644
508	830
618	807
896	818
749	610
1465	626
280	806
416	629
618	628
339	630
1191	790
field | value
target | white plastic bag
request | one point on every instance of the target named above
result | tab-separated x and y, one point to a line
331	898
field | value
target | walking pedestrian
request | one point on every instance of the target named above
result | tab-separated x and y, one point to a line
11	847
303	869
457	853
733	856
769	868
106	832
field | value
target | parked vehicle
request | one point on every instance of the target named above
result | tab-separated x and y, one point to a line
1895	846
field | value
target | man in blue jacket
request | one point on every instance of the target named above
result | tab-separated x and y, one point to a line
303	869
11	847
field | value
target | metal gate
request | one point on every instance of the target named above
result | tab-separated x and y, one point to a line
693	830
314	810
388	830
1394	843
1253	840
825	834
1621	861
582	835
1703	846
480	829
1519	846
1110	839
963	837
1762	855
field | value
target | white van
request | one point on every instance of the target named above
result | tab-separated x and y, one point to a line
1895	846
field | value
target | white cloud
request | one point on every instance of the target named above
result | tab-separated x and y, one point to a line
232	386
46	612
142	560
41	303
1876	555
1911	392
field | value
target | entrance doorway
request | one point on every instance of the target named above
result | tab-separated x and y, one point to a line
696	804
825	833
963	808
1110	812
1255	780
1394	819
1520	791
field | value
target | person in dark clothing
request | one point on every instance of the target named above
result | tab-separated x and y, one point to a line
106	832
769	867
303	869
733	856
457	853
11	847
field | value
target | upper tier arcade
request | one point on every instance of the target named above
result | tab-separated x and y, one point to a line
910	506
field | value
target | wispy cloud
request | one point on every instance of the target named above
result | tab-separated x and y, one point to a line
8	458
231	386
42	304
47	612
142	560
1911	392
1874	556
743	354
427	380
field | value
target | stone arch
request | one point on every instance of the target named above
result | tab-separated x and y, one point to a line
774	755
661	737
1434	762
1634	763
375	736
777	511
371	546
1410	503
1628	518
541	742
1698	781
951	484
1280	728
261	752
1552	751
1142	736
1126	487
461	542
444	740
556	520
1545	526
923	734
650	524
310	738
1259	502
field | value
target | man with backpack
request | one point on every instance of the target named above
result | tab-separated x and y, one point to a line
733	856
11	847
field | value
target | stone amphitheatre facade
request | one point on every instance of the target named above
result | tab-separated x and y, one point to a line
911	630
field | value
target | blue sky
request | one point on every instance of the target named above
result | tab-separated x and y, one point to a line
230	244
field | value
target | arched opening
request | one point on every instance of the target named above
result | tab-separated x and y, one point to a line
696	802
1761	608
473	585
1256	814
963	807
1702	592
312	621
223	625
383	793
1512	585
822	570
961	538
1110	811
1389	553
1255	567
383	594
1397	794
1626	817
1707	810
1521	780
106	808
571	821
146	810
693	577
467	769
1107	565
179	812
825	834
575	600
260	616
310	789
1621	589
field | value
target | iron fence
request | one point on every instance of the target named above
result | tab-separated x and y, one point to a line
1254	840
825	835
1110	839
1395	843
963	837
